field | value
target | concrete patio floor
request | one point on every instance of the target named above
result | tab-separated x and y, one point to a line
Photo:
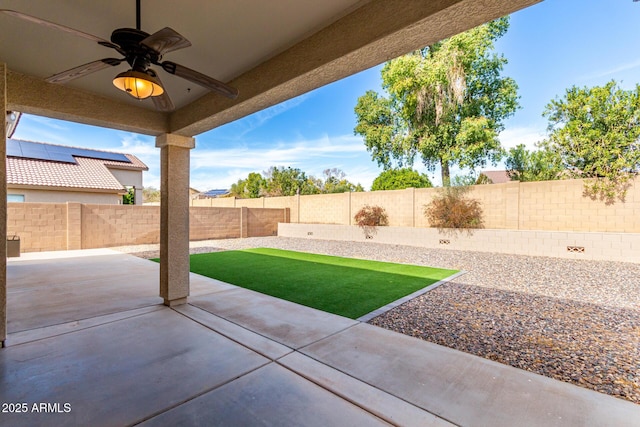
89	337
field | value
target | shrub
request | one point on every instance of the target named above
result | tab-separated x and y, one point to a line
451	208
371	216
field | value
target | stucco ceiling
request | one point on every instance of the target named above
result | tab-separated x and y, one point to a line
270	50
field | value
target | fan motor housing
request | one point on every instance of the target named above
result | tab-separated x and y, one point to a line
138	55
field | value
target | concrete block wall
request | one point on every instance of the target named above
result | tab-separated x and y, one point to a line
547	205
40	226
224	202
398	204
104	226
250	203
264	222
213	223
561	205
326	208
74	226
291	203
65	226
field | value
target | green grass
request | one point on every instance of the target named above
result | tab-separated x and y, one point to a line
345	286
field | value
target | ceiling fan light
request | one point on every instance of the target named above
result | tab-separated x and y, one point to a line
138	84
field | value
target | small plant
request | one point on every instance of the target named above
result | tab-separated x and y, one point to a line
452	209
370	217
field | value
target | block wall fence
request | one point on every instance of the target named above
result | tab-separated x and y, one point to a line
545	206
67	226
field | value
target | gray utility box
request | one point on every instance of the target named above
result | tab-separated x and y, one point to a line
13	246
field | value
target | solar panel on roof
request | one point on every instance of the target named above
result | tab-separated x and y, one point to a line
13	148
34	151
61	157
214	193
58	153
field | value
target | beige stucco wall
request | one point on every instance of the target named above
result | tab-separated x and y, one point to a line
63	196
129	178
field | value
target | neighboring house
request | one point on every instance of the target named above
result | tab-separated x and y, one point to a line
494	177
38	172
193	193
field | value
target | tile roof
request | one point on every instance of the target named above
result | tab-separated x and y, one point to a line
85	173
136	163
497	177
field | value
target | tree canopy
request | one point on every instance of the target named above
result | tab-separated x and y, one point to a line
596	133
399	179
150	195
251	187
288	181
542	164
446	103
335	182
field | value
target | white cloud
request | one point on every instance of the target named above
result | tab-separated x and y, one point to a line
143	148
219	168
510	138
42	129
49	123
283	154
611	71
258	119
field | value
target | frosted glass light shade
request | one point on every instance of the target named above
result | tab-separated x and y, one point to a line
137	84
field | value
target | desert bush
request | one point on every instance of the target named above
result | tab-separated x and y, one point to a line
452	208
371	216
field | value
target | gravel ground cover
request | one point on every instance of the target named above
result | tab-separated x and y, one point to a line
572	320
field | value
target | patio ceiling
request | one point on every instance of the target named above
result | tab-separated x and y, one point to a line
270	50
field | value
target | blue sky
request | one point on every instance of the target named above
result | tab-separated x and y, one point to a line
550	47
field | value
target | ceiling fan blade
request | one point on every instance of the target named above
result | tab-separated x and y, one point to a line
162	102
201	79
59	27
83	70
165	40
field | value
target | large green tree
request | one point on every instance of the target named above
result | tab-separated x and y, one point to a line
150	195
596	132
399	179
446	103
288	181
335	182
543	164
249	188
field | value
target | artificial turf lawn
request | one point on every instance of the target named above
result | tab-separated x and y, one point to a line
345	286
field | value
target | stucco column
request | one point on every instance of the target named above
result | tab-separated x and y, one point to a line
174	217
3	205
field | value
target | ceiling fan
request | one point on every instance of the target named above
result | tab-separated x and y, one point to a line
140	50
